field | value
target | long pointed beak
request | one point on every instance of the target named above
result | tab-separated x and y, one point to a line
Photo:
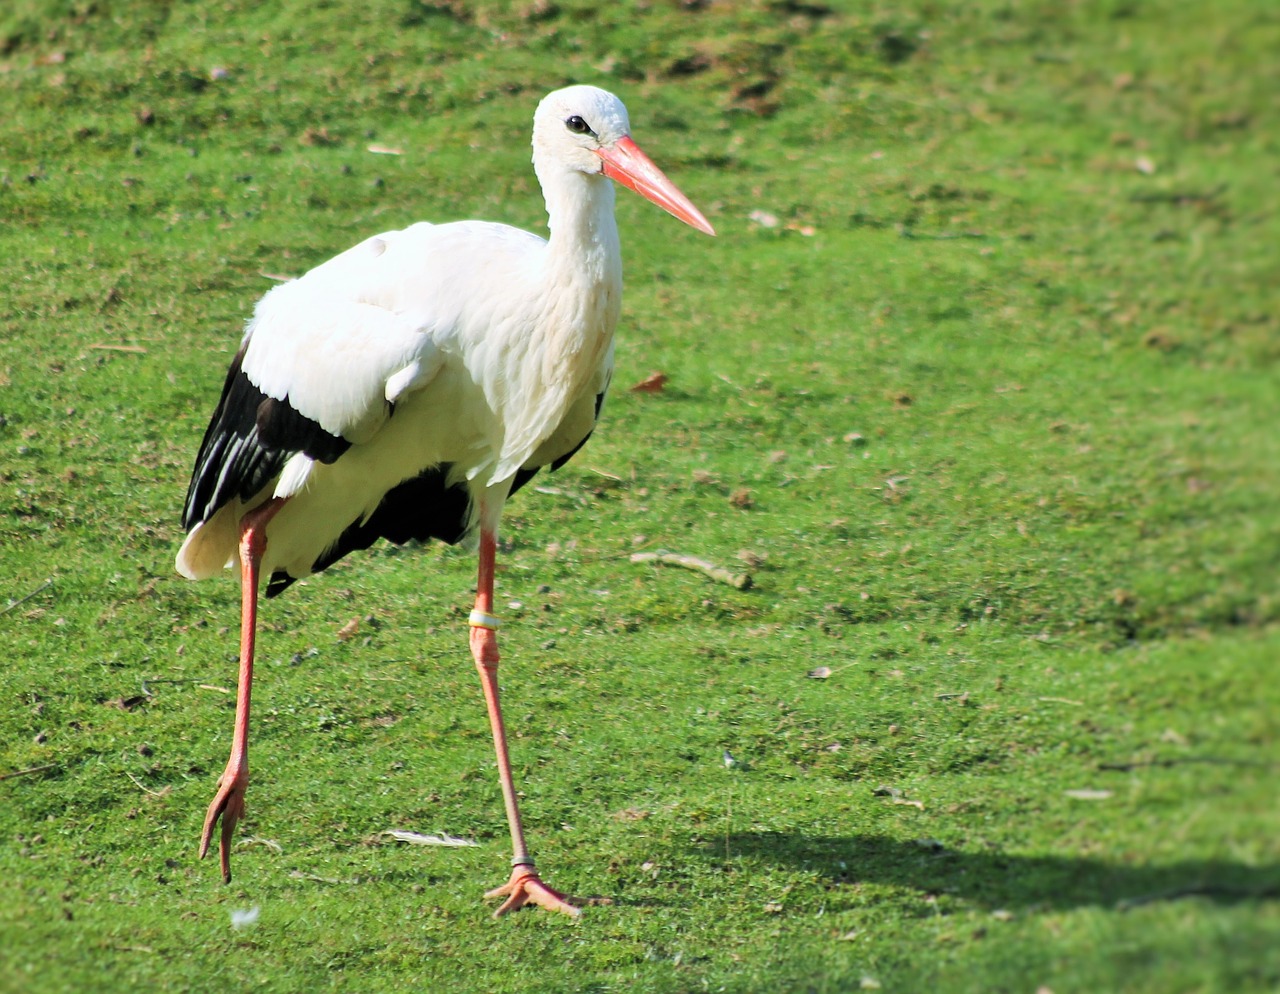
626	164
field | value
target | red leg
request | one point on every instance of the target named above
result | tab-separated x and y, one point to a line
524	887
228	803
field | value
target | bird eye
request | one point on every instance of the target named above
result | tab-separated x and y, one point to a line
578	126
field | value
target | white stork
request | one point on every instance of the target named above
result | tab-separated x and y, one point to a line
406	388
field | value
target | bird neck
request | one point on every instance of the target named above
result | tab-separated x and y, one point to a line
584	247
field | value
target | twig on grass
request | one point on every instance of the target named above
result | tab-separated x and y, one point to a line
27	772
103	347
1061	700
22	600
143	787
739	581
146	685
257	840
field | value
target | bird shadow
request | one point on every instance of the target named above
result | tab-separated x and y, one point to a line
996	879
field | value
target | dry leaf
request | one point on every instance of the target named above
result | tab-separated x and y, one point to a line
349	629
653	383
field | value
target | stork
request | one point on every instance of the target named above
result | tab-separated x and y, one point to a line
405	389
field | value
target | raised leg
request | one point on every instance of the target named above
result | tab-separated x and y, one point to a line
228	803
524	887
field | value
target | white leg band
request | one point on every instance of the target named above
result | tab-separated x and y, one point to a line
479	619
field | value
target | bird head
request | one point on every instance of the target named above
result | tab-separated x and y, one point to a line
586	129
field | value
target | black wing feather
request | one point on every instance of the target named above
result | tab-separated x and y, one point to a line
249	439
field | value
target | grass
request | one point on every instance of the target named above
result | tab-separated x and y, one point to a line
978	382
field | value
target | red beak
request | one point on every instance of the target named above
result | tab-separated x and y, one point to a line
626	164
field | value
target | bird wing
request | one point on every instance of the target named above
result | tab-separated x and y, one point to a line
321	366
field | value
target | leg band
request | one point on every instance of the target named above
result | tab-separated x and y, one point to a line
479	619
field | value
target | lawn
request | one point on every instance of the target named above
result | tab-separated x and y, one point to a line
979	384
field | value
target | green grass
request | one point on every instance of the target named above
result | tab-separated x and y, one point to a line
989	414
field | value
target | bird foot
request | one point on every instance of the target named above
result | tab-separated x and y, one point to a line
227	804
525	887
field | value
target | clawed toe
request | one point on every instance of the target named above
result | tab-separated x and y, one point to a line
227	805
525	887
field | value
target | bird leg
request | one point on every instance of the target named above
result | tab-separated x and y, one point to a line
524	887
228	803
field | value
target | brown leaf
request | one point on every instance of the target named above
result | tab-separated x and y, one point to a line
653	383
349	629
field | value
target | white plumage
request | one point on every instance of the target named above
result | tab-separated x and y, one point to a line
406	387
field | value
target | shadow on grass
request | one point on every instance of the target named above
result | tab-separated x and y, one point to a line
1001	880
